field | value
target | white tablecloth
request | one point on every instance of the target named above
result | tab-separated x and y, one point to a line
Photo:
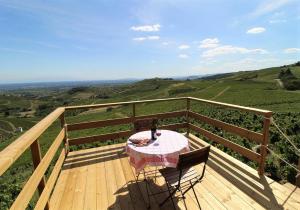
164	151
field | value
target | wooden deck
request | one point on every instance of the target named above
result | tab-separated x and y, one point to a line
101	178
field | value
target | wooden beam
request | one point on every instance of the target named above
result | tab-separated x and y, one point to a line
36	159
263	112
263	149
44	197
173	126
64	125
163	115
257	137
239	149
12	152
28	190
187	117
116	135
120	121
133	110
94	106
103	137
99	124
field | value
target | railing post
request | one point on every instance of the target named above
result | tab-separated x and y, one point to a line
63	125
133	114
36	159
263	149
188	106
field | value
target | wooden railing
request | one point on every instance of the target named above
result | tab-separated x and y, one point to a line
30	139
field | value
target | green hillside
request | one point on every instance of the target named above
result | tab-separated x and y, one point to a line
262	89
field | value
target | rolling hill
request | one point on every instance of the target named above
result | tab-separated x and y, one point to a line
262	89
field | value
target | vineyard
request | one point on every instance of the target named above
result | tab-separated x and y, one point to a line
261	89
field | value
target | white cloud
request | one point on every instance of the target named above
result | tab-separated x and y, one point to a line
153	37
241	65
278	21
146	28
183	56
209	43
183	47
268	6
256	30
278	17
15	50
140	39
165	43
292	50
228	49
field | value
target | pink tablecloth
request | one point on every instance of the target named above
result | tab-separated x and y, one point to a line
162	152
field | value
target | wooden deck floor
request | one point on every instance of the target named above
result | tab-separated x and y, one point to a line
101	178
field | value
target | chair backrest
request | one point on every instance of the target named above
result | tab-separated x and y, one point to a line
193	158
144	124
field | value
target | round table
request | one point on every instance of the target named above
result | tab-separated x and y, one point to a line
164	151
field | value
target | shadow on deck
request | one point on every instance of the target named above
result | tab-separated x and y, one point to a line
102	178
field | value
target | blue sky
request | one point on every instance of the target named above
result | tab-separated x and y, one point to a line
94	40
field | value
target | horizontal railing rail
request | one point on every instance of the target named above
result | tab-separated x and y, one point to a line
13	151
227	143
120	121
30	139
251	135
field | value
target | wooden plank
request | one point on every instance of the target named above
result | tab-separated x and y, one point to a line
103	137
111	185
187	116
66	201
43	199
242	150
233	106
262	189
101	191
173	126
162	115
89	197
80	188
229	198
122	193
64	125
12	152
120	121
28	190
257	137
99	124
60	186
133	188
94	106
36	159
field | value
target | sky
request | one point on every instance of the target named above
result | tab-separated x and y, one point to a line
70	40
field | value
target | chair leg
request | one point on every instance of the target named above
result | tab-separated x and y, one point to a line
170	196
195	195
148	194
147	190
192	185
183	197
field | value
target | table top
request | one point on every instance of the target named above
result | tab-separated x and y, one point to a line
167	143
164	151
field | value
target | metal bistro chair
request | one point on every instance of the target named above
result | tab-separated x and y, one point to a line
184	176
144	124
